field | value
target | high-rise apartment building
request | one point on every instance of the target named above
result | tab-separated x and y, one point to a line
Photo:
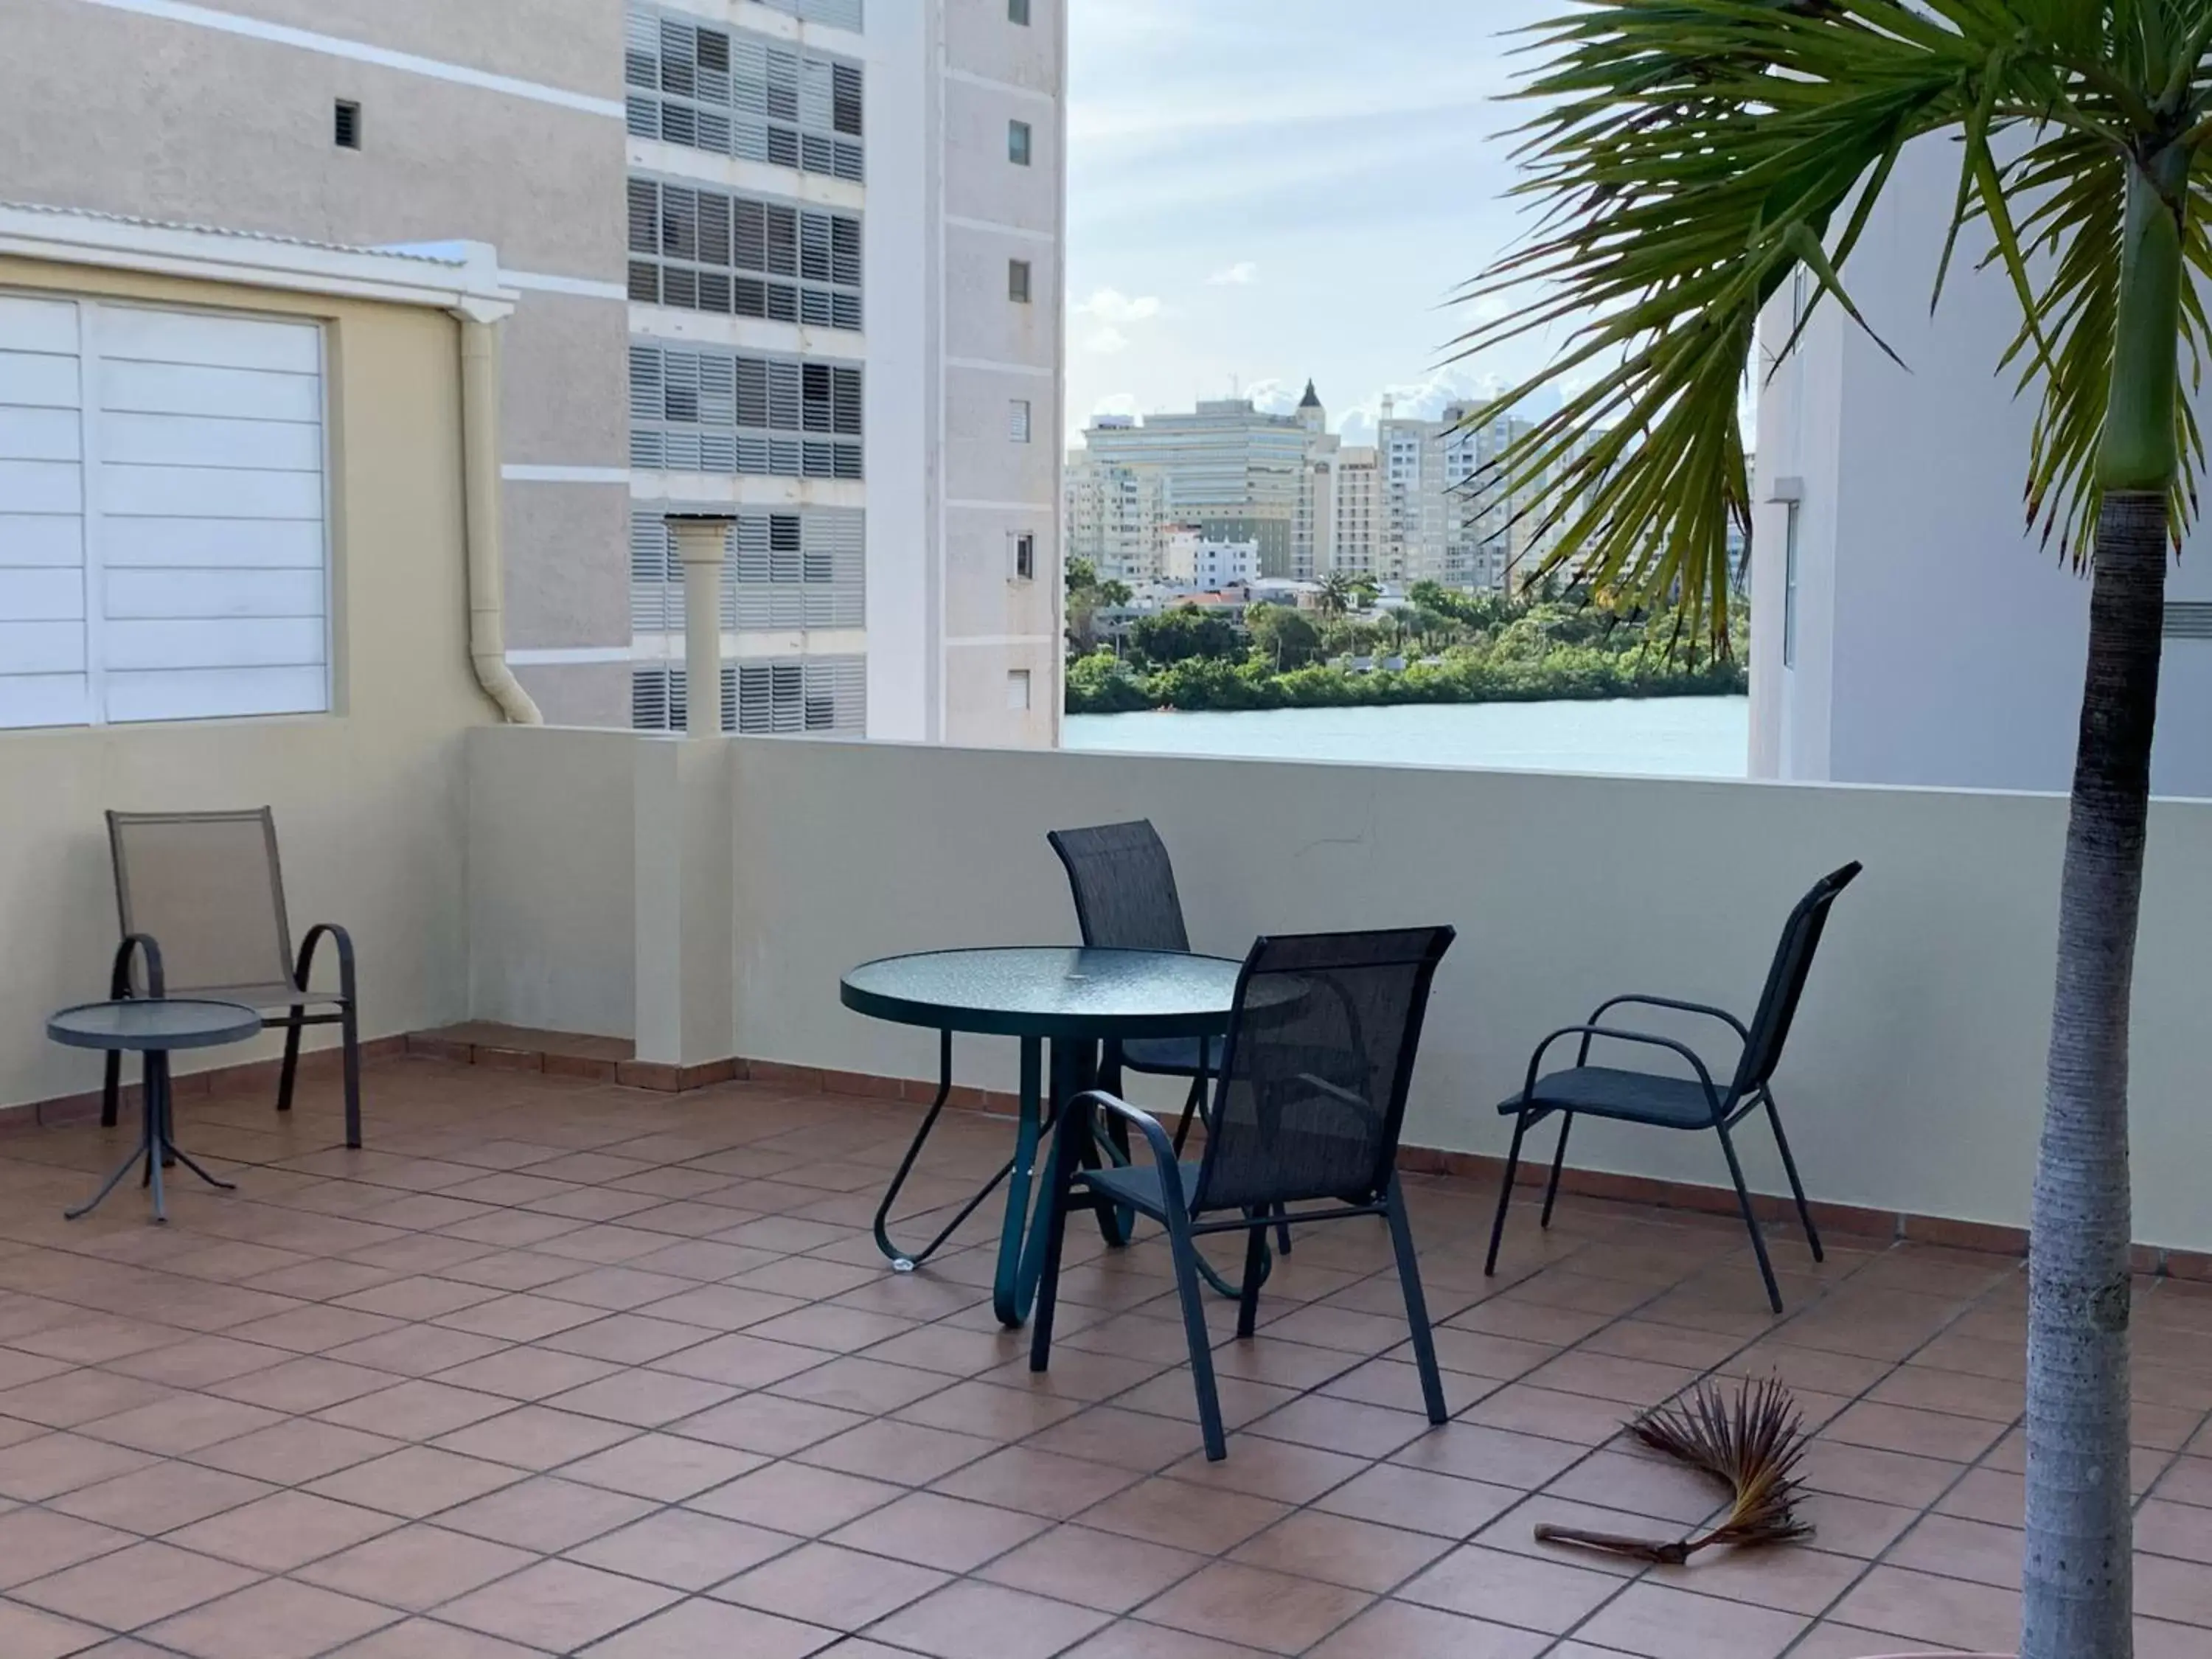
795	260
1357	502
1414	502
1114	516
1226	466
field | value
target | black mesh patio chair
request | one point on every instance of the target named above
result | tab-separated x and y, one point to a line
201	895
1674	1102
1124	889
1307	1110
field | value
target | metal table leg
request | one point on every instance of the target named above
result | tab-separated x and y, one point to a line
1013	1287
157	1143
906	1261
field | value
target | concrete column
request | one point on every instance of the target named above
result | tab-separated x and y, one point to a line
699	540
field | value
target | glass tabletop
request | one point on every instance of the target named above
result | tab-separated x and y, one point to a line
1050	991
162	1023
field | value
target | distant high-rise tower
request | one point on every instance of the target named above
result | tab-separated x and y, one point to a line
1311	415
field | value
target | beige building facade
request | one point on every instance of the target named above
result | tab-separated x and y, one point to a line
797	260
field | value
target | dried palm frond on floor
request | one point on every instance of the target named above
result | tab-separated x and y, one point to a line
1751	1443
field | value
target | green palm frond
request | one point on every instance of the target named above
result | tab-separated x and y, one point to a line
1692	157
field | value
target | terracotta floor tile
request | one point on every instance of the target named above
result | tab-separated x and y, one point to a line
767	1424
1036	1482
296	1451
415	1481
1402	1631
1553	1596
1271	1468
1653	1620
68	1398
1948	1612
1921	1433
1475	1452
134	1586
415	1567
1132	1638
534	1438
45	1466
1269	1610
707	1627
273	1619
2176	1591
415	1410
34	1543
545	1513
935	1531
684	1549
156	1499
824	1584
557	1605
526	1372
417	1350
906	1453
282	1531
170	1428
304	1385
1175	1512
792	1497
26	1633
968	1620
1092	1569
1442	1504
662	1467
854	1382
1801	1580
422	1638
643	1399
1340	1550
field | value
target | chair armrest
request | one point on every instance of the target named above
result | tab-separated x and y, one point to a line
342	942
1680	1007
1155	1139
1619	1034
119	984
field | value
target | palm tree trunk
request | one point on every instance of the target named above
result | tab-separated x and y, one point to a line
2078	1577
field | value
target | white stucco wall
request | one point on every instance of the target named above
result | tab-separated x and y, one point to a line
1913	1081
1939	641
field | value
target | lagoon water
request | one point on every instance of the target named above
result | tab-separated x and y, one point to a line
1658	737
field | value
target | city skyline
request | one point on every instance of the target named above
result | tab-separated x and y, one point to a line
1198	265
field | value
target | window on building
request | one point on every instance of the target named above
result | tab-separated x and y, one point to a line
345	125
1017	688
1789	588
734	95
1017	420
1024	556
1017	143
1017	11
162	545
731	413
1017	281
699	249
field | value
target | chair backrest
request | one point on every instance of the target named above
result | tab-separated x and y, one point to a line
1785	979
207	887
1314	1071
1124	887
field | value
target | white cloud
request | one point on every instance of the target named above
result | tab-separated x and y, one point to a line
1106	341
1110	306
1274	396
1242	274
1118	403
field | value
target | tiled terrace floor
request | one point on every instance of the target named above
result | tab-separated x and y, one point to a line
562	1368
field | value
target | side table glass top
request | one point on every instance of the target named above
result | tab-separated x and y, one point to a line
160	1022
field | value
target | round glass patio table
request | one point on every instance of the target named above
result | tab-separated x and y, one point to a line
1074	996
153	1027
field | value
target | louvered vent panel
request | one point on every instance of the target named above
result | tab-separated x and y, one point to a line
708	89
2189	619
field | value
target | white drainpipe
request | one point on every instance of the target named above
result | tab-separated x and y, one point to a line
700	540
481	494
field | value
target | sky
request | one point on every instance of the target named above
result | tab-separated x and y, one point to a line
1259	191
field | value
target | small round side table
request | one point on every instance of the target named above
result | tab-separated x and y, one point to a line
154	1027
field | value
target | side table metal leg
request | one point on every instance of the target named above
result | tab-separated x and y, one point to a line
157	1125
142	1149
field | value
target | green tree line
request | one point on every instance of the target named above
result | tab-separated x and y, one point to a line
1458	647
